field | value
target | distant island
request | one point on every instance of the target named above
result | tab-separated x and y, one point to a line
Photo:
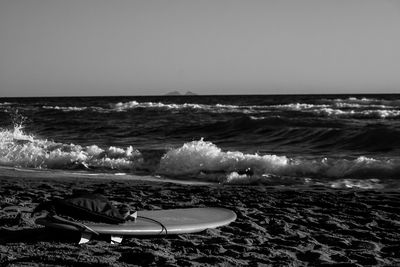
178	93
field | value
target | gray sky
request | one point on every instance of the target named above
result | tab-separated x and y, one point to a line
116	47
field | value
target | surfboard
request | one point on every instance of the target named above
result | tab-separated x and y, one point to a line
153	222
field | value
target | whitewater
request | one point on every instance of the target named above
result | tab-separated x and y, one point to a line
334	141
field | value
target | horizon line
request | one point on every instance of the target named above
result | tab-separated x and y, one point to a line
201	95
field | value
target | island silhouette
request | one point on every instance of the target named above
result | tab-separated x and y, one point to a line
177	93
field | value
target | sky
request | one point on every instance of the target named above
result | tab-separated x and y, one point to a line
128	47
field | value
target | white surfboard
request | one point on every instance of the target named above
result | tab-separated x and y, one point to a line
154	222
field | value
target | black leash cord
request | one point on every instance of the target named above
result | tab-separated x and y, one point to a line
163	228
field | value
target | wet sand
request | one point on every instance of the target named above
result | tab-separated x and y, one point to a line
275	226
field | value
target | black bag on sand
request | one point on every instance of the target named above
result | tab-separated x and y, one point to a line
87	207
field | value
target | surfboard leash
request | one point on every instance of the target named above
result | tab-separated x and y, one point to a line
163	228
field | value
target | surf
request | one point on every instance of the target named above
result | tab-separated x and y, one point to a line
200	159
19	149
207	161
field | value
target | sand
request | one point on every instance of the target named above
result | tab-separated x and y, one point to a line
275	226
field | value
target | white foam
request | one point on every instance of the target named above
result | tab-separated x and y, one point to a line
6	104
255	118
123	106
205	160
299	106
357	183
65	108
18	149
341	109
369	101
357	105
384	113
218	108
350	107
198	156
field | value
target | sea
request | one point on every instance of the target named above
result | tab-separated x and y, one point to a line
334	141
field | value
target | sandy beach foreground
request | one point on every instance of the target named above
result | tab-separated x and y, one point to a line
275	226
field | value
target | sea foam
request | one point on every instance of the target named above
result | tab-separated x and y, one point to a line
65	108
18	149
217	108
359	108
204	160
201	156
344	109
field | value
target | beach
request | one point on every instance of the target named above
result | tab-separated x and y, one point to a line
275	226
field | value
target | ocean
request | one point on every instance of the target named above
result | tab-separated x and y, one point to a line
335	141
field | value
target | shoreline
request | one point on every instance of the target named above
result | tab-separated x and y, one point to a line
13	172
275	225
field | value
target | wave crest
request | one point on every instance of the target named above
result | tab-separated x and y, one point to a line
352	107
21	150
66	109
205	160
217	108
200	156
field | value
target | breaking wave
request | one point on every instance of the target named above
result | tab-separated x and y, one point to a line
65	108
384	113
218	108
352	108
205	160
18	149
199	160
369	101
345	110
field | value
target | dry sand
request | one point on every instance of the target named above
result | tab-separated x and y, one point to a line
284	227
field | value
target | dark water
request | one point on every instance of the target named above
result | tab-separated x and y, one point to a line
339	140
